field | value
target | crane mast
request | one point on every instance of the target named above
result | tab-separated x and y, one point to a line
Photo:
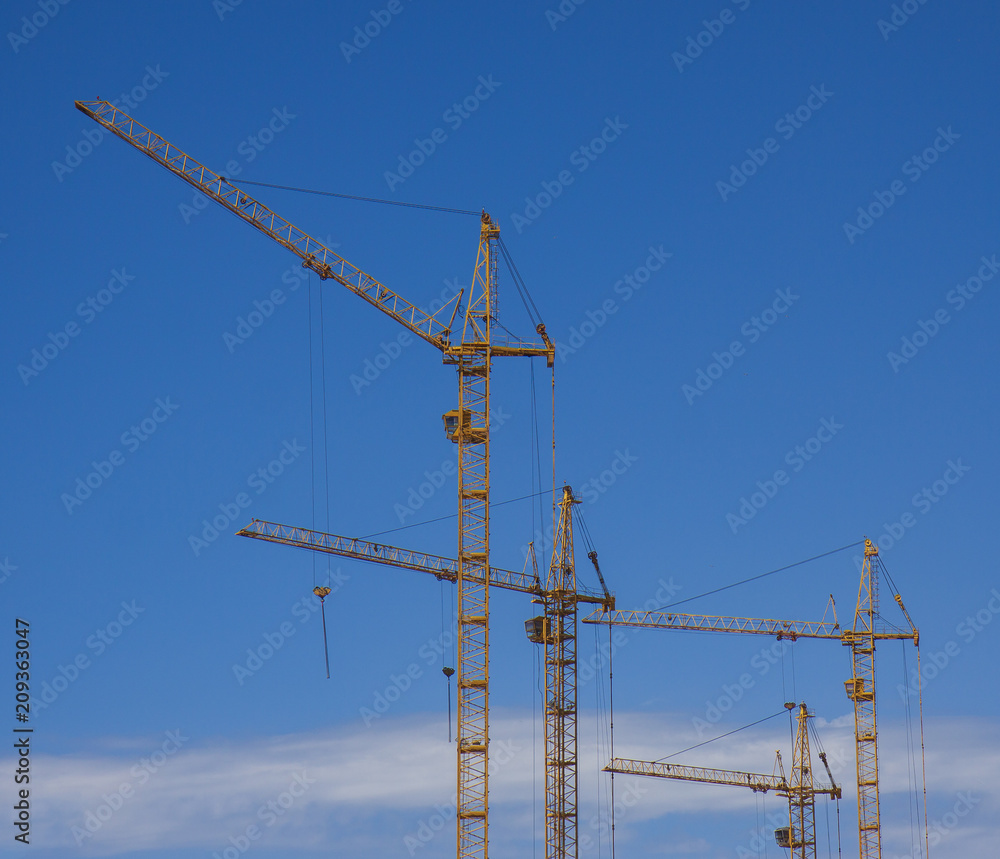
560	691
473	435
800	790
861	690
473	354
801	798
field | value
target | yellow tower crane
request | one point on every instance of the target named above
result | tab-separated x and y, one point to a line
471	350
560	596
860	688
800	835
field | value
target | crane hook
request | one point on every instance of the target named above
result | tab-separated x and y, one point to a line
323	593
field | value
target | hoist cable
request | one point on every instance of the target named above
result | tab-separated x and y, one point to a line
326	442
326	649
923	756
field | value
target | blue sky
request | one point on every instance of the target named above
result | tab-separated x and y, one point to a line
765	240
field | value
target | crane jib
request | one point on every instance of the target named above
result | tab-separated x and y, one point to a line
314	254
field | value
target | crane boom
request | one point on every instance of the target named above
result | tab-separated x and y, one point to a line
711	623
380	553
755	781
313	253
393	556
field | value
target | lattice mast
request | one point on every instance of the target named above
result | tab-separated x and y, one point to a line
474	360
861	690
560	691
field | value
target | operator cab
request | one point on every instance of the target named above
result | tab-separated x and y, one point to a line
452	422
537	629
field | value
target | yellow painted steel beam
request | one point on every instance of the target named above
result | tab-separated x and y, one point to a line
313	253
381	553
755	781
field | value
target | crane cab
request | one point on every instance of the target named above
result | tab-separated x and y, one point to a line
857	691
537	629
454	423
458	427
783	837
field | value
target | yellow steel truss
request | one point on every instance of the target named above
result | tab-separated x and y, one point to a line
473	355
861	690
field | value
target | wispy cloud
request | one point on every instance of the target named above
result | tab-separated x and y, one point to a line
364	790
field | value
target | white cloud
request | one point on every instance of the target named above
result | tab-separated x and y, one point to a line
365	789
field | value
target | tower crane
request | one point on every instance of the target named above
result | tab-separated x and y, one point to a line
471	349
860	688
800	790
560	596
